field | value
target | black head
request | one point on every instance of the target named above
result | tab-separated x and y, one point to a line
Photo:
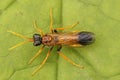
37	39
86	38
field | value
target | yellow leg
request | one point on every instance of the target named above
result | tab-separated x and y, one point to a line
37	29
38	53
51	21
67	27
76	45
70	61
21	36
43	62
51	24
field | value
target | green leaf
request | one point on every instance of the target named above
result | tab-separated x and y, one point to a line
101	59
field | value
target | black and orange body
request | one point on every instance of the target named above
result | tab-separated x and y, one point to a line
70	38
55	38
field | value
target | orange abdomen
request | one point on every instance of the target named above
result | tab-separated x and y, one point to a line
76	38
60	39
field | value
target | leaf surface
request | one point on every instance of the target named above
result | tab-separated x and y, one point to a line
101	59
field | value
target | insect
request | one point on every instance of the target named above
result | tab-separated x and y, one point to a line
55	38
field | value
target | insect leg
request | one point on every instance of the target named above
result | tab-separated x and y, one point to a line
37	54
37	29
67	27
67	59
76	45
43	62
21	36
51	20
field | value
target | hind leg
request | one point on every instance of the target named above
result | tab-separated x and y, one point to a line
67	27
67	59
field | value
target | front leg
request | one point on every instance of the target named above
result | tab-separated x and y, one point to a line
43	62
